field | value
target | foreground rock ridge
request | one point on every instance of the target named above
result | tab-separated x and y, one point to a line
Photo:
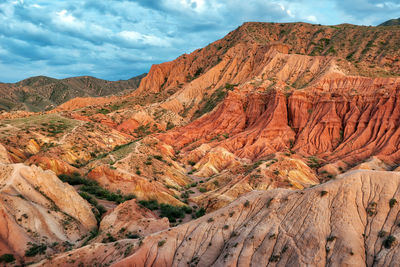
276	145
347	221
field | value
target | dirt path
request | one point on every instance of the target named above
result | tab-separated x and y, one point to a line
61	141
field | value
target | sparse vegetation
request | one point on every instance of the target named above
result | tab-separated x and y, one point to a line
274	258
149	204
173	212
202	190
109	238
392	202
314	162
35	249
389	241
382	233
166	210
199	213
371	209
208	104
331	238
7	258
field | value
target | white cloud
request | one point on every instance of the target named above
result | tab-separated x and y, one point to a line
136	37
63	18
312	18
36	6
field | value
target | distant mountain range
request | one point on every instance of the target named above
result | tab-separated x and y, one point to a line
391	22
43	93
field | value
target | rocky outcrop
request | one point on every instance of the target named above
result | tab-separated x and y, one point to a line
349	221
37	209
128	183
129	220
279	172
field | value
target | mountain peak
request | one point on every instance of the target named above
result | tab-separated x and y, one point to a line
391	22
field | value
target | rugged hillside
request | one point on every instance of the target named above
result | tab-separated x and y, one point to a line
350	221
39	214
360	45
391	22
44	93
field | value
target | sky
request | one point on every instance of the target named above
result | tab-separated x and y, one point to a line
120	39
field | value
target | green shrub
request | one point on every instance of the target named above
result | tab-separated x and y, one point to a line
103	111
103	193
149	204
170	125
171	212
161	243
392	202
35	249
76	179
202	189
323	193
274	258
7	258
132	235
200	213
389	241
192	163
331	238
108	239
185	195
92	234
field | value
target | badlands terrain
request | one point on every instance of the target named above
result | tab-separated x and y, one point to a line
276	145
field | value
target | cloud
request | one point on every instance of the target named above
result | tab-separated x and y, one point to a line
122	38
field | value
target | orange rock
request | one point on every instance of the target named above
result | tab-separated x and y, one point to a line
129	219
56	165
132	184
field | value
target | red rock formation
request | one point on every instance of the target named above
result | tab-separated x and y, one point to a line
129	183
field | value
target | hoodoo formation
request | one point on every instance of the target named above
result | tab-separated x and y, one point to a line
275	145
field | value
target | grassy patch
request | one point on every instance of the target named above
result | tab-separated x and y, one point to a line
52	123
93	187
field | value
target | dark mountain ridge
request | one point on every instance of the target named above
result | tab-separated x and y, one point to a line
43	93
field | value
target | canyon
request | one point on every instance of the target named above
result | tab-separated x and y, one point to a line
275	145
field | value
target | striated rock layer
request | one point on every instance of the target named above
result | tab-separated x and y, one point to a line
36	208
351	221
